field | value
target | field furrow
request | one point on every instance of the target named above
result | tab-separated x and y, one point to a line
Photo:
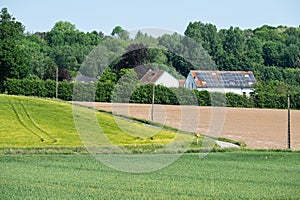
22	121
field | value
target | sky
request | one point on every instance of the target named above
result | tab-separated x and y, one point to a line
90	15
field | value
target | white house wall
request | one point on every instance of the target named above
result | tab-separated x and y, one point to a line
190	82
167	80
239	91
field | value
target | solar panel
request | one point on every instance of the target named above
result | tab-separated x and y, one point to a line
226	79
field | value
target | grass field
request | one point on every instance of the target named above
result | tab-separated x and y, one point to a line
229	175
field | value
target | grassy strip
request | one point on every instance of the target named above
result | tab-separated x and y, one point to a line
136	149
165	127
42	150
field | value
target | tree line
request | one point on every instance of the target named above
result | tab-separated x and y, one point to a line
272	53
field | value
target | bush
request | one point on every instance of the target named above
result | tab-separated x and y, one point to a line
203	97
82	91
65	90
163	95
218	99
185	96
104	91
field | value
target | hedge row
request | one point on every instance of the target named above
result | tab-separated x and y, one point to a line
39	88
66	90
102	92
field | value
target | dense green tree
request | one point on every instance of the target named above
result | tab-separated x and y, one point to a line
292	76
69	46
270	73
233	40
271	53
268	34
252	54
39	63
289	56
185	54
120	33
13	61
63	33
205	34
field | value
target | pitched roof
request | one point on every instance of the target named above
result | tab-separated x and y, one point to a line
233	79
86	79
151	76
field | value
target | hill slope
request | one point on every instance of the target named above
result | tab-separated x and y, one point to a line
35	122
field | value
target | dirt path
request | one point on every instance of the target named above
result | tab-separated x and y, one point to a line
258	128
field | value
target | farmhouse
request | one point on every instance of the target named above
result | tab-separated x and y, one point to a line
160	77
239	82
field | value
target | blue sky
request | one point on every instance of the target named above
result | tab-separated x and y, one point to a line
89	15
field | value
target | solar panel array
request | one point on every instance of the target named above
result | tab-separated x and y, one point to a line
227	79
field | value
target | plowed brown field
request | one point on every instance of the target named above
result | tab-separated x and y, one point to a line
258	128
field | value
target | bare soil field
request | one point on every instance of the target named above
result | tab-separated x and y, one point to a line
258	128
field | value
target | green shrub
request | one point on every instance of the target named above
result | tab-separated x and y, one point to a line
65	90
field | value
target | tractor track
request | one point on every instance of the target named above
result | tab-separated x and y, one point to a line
34	123
25	123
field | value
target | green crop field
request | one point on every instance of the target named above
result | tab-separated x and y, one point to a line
34	122
227	175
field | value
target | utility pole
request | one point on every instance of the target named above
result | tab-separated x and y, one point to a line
152	111
289	123
56	80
